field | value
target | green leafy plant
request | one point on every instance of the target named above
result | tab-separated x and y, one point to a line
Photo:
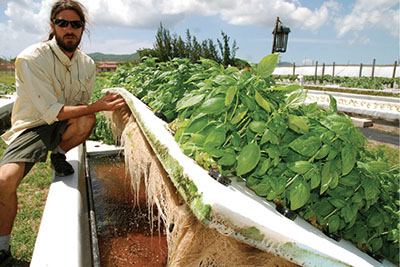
350	82
307	158
6	89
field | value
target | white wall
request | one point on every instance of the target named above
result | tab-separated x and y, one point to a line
341	70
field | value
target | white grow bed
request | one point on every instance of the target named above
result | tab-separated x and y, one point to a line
296	241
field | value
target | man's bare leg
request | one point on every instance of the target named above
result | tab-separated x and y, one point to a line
78	131
11	175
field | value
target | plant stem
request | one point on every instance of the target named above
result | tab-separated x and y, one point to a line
291	180
236	104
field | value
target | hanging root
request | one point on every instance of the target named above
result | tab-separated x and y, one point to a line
189	242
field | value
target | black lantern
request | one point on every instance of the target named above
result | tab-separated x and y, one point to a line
281	35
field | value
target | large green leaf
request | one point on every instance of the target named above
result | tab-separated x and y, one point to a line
230	95
299	194
332	104
262	102
296	99
267	65
228	158
263	166
248	158
216	137
374	219
333	223
258	126
326	177
370	188
306	145
239	115
349	157
298	124
314	176
213	105
287	89
300	167
196	125
189	101
262	189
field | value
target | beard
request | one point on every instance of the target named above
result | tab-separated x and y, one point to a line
68	45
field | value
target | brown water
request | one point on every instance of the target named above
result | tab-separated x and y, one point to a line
124	231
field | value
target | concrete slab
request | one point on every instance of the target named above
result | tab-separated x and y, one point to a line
6	105
363	123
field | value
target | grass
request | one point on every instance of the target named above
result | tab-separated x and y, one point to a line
32	194
7	78
392	153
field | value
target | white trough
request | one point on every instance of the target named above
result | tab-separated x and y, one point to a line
6	105
296	241
374	106
64	235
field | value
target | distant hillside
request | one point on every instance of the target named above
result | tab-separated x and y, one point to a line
112	57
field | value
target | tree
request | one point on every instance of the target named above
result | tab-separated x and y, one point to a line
168	47
228	54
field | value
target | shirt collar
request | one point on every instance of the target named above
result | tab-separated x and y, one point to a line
64	59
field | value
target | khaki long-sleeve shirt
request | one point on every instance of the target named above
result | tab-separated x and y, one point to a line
46	80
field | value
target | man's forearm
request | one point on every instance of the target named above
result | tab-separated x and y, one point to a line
109	102
69	112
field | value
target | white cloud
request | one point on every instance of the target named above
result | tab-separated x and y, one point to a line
371	14
149	13
315	41
28	16
264	13
359	39
28	20
127	13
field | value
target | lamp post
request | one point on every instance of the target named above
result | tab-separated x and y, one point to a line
281	35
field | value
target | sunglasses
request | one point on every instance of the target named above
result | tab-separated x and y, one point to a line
76	24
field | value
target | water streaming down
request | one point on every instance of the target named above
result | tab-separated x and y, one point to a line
125	233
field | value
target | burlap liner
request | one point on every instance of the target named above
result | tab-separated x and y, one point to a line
190	243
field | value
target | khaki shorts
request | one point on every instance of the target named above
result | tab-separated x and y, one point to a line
33	145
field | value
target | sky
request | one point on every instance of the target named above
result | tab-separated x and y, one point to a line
340	31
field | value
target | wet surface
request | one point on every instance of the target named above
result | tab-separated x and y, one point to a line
125	235
381	136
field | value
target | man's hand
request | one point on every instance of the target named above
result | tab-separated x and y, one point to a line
109	102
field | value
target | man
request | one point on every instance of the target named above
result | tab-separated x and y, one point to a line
54	81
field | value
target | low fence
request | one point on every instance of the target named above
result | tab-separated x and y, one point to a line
367	70
6	67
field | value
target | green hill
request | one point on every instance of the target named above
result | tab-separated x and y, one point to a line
112	57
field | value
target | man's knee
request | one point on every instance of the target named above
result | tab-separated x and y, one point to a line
10	177
89	121
85	124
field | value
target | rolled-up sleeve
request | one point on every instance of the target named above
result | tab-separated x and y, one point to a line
35	83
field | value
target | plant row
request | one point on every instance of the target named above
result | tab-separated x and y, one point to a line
306	158
343	81
6	89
